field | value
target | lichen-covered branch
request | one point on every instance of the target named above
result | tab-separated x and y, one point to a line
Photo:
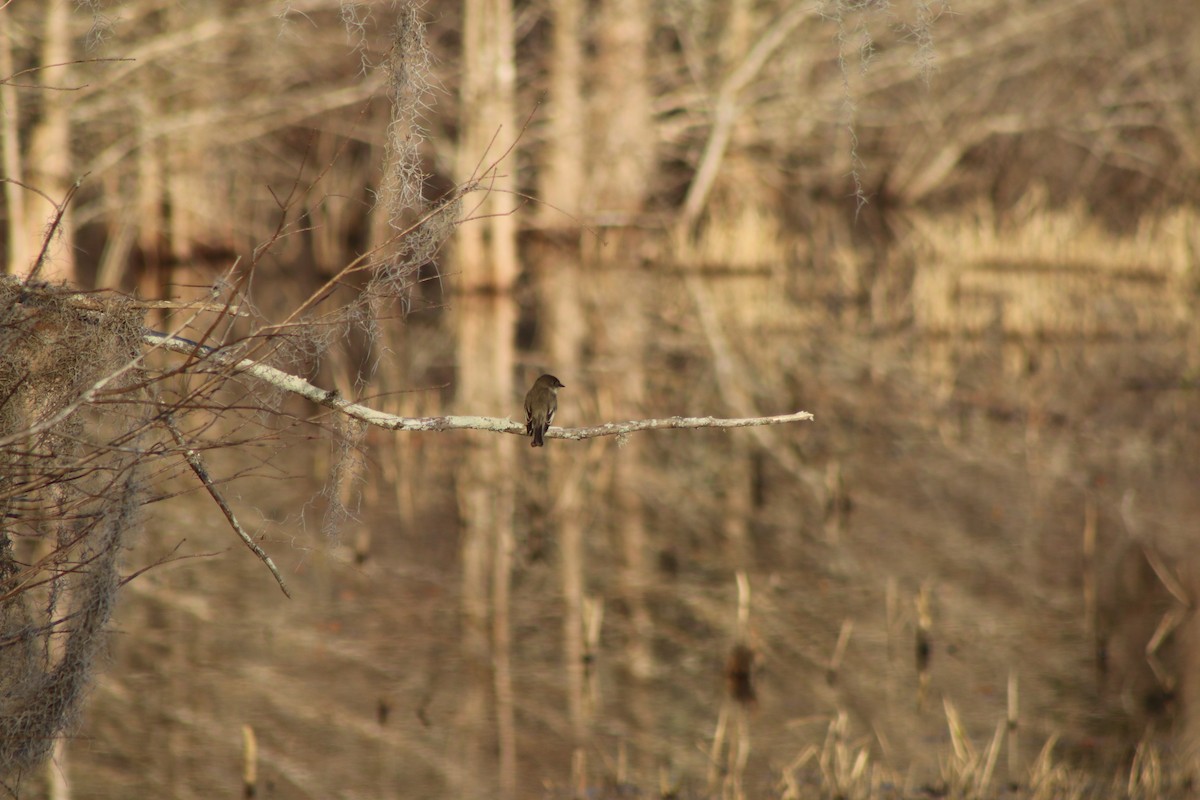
622	428
332	400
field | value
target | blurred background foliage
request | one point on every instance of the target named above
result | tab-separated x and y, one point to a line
964	236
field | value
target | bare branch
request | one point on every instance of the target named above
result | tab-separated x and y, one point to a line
621	428
55	224
11	79
332	400
726	110
193	460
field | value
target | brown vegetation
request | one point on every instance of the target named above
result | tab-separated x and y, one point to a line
961	237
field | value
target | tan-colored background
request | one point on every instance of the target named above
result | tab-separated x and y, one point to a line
961	236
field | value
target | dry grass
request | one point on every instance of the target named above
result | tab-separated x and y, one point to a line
847	770
1053	273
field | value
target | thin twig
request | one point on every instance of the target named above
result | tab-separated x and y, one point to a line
41	67
59	211
193	460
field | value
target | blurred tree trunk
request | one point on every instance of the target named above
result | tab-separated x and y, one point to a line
403	458
624	397
736	510
623	154
485	488
487	252
49	155
149	202
559	282
562	178
621	177
629	390
58	782
486	255
14	194
570	492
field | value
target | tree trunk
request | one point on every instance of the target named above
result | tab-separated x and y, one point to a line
50	154
487	252
486	488
487	262
14	194
623	158
562	178
567	485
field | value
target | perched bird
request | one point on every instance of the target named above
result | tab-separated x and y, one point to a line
540	404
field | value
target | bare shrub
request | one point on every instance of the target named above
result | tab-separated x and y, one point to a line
72	415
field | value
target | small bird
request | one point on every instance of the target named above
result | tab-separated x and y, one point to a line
540	404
